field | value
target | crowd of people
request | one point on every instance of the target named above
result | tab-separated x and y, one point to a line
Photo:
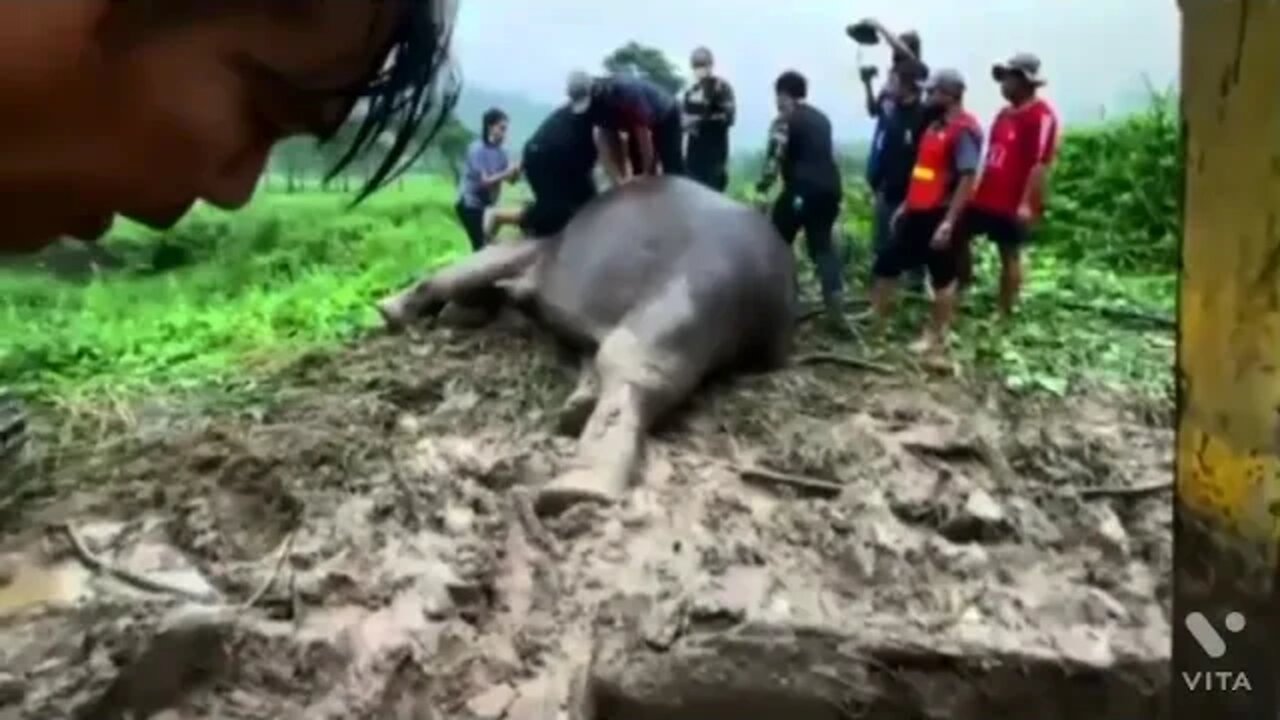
935	187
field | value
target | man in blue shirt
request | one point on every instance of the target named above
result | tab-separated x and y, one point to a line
647	114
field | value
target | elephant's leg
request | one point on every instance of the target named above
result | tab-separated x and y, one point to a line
578	407
646	366
474	273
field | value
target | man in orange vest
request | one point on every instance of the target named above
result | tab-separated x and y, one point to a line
924	225
102	118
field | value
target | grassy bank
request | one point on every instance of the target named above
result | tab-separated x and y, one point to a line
224	296
291	272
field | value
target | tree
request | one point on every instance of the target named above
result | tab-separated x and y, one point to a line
450	146
647	62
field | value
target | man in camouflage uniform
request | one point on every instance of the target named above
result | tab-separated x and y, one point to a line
709	111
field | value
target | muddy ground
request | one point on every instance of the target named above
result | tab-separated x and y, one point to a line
364	547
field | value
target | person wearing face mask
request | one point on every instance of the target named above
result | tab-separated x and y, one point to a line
1011	192
487	167
802	150
709	112
924	226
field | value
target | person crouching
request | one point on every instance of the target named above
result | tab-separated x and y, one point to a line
558	161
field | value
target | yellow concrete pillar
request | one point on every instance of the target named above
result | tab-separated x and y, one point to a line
1228	489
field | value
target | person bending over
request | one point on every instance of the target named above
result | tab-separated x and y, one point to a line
487	167
645	113
102	117
802	150
709	112
558	162
924	225
1010	197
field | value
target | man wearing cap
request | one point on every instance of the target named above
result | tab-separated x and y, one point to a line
924	225
647	114
802	150
1011	192
708	114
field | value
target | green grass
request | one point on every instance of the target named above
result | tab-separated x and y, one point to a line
290	272
228	296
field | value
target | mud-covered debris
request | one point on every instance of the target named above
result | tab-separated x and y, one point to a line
1105	530
492	704
398	466
12	689
664	622
535	700
190	650
980	519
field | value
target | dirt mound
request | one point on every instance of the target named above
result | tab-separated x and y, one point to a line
811	543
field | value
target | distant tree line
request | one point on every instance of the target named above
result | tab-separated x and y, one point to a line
302	164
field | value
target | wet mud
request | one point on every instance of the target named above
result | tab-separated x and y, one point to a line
818	542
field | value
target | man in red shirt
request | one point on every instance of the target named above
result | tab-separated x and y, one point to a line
1011	189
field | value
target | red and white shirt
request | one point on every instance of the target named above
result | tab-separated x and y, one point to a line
1021	138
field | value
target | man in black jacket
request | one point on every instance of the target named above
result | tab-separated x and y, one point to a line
709	112
802	150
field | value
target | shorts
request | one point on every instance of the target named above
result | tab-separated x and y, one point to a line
1006	231
909	249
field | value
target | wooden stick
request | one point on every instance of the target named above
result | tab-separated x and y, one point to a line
811	486
261	592
141	582
845	361
1150	488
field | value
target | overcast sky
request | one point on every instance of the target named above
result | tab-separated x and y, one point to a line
1095	52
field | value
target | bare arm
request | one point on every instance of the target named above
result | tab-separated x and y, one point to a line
967	158
873	107
1036	186
894	41
643	138
1037	182
773	155
964	193
609	146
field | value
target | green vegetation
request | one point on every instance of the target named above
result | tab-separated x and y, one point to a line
256	287
225	296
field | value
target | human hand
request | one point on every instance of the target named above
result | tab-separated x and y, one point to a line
941	236
895	219
1025	213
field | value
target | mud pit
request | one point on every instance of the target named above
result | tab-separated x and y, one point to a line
365	548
